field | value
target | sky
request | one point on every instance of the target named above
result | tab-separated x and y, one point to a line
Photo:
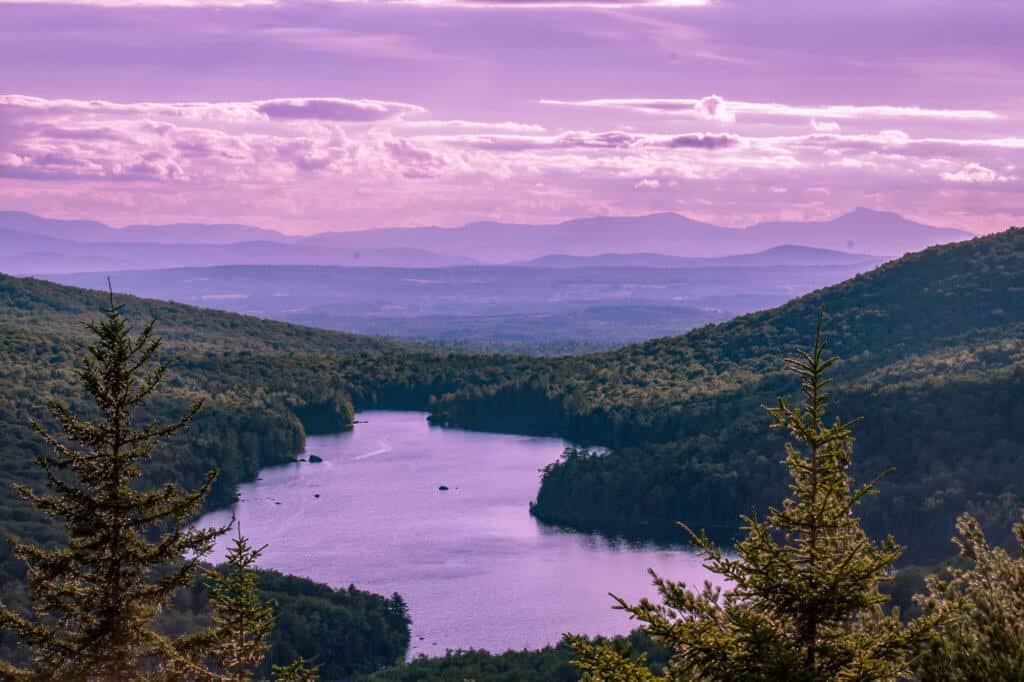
306	116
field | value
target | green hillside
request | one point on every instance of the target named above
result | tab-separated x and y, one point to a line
933	358
265	385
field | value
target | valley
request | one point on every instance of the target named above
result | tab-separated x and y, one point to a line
931	342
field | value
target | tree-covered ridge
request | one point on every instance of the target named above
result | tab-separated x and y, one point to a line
550	664
98	590
265	383
920	304
933	348
344	630
40	306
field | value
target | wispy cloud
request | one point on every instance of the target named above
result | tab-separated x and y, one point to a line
718	108
461	124
607	140
295	108
975	173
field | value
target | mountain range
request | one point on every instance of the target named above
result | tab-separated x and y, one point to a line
777	256
38	245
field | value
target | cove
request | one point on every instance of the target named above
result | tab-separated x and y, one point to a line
475	568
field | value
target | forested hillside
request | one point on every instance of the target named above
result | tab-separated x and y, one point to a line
550	664
933	358
265	386
265	383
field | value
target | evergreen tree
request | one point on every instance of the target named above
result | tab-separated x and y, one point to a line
242	621
802	601
299	670
239	639
980	635
128	548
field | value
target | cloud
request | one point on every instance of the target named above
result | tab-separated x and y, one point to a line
718	108
824	126
974	173
414	161
318	108
714	108
59	140
334	109
314	159
459	124
607	140
702	141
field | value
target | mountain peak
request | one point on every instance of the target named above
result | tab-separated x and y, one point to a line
862	213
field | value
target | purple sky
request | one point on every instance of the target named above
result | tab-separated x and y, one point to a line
308	116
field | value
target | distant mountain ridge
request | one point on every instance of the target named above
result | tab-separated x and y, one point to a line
24	253
34	244
176	233
787	255
862	231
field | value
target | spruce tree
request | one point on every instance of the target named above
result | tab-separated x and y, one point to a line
242	621
238	641
980	634
129	547
801	601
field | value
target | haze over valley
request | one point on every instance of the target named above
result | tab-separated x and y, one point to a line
36	245
583	285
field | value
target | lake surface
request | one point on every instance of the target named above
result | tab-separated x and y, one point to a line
475	568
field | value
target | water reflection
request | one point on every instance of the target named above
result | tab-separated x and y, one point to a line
476	569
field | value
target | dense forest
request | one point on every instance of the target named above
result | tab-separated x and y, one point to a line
940	333
345	630
550	664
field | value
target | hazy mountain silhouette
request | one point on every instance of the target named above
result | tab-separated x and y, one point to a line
492	242
876	232
33	244
777	256
199	233
74	230
861	231
177	233
23	253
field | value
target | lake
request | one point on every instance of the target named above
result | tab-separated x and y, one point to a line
475	568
